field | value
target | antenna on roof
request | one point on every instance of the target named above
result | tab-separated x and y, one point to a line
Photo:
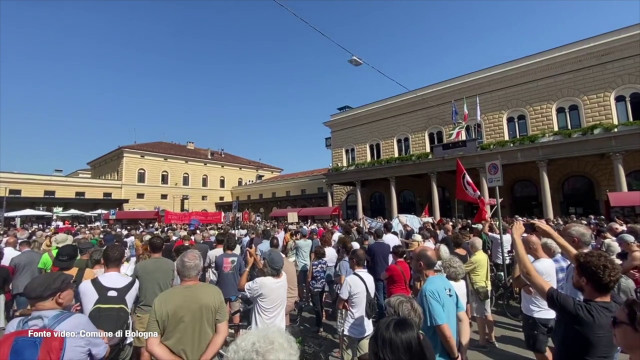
134	136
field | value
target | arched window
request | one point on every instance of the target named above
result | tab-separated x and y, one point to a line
377	205
579	196
524	198
239	181
435	136
351	207
403	145
633	181
205	181
473	130
626	104
222	183
185	179
375	150
142	176
350	155
164	178
407	202
517	124
568	113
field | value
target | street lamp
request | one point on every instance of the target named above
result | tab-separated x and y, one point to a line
355	61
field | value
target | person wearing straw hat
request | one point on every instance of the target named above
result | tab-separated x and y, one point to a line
58	241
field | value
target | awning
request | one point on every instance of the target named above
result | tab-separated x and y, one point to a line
624	199
133	215
320	211
283	212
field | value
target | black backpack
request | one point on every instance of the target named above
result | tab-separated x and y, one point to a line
111	313
370	308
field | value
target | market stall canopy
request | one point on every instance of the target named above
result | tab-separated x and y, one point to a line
319	211
624	198
284	212
98	212
27	212
73	212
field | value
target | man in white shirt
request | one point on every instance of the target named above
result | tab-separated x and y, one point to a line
538	319
353	297
496	249
389	238
268	292
111	282
10	250
280	236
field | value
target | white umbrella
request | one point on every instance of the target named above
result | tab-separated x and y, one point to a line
27	212
98	212
73	212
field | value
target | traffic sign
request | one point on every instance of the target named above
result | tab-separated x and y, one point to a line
494	173
112	214
234	206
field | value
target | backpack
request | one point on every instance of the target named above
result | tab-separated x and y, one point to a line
19	345
370	308
111	313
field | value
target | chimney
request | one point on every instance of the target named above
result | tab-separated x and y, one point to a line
191	145
209	153
58	172
222	152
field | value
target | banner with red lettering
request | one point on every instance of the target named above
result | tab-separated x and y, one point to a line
203	217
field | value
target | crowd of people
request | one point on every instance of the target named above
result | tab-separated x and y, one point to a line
174	291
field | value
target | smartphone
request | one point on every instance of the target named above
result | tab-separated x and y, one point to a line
529	228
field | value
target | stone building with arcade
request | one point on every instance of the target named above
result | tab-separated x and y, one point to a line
563	123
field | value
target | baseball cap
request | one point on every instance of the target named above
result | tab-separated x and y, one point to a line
45	286
274	259
625	238
304	232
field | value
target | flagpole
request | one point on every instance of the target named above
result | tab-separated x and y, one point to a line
504	264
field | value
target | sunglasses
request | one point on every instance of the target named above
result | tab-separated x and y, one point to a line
615	322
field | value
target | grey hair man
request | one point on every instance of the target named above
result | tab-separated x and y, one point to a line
405	306
580	238
553	251
264	343
182	330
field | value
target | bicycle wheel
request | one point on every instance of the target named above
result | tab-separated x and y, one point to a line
511	304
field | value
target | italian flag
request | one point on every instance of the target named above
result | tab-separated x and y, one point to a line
466	112
456	133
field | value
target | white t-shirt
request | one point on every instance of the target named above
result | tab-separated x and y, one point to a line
9	253
269	296
460	287
496	252
392	240
331	256
535	305
355	294
334	238
89	296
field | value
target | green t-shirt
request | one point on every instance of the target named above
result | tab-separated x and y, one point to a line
185	318
155	276
46	261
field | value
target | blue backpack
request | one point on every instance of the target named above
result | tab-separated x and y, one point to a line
19	345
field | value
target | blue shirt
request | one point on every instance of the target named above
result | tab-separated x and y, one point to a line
567	287
440	304
378	254
263	247
561	269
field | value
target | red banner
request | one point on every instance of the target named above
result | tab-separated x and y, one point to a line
203	217
246	216
466	190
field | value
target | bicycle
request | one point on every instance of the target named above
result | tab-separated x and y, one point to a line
502	291
241	327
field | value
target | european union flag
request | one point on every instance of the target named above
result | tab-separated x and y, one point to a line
454	113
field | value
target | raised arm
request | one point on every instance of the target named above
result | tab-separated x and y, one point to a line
545	230
526	267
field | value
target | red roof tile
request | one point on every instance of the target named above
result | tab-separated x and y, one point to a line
166	148
296	175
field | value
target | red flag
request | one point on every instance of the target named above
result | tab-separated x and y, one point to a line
467	191
425	213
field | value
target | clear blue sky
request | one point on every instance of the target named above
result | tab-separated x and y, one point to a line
77	77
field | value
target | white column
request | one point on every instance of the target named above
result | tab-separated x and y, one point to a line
360	213
618	172
329	195
484	187
394	200
547	205
435	202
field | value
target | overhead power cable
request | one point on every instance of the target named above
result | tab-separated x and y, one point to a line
338	44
